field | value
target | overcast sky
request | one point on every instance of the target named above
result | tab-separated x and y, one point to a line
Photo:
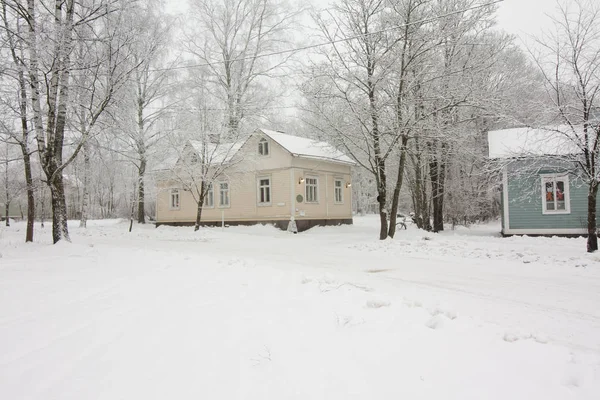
525	16
515	16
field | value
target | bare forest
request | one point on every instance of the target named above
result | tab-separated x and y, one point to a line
98	96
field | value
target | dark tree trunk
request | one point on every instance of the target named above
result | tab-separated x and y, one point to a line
381	177
141	211
6	211
60	229
592	241
437	176
399	180
382	198
437	198
17	46
419	191
200	205
30	196
382	216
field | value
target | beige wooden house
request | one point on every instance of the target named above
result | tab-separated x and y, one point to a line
269	177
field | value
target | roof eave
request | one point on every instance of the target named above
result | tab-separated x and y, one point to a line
333	160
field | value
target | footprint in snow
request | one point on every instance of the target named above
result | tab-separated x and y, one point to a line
377	303
447	313
437	322
512	337
411	303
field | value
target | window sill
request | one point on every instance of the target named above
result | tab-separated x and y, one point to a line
556	212
174	209
229	206
263	204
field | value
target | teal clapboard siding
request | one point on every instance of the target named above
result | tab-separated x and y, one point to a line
525	199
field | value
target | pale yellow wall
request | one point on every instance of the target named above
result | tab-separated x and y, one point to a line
278	157
284	172
326	207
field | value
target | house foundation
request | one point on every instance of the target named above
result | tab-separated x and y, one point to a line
302	224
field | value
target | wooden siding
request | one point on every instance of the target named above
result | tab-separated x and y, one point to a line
284	171
525	200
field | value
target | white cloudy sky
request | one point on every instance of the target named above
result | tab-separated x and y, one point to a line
515	16
525	16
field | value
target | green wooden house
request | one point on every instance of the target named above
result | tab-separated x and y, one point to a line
543	191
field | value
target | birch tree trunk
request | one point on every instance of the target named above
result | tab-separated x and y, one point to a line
60	230
85	200
398	187
50	143
103	73
7	194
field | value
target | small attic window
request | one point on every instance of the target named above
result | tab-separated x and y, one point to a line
194	158
263	147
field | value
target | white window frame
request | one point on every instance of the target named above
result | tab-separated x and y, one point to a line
567	195
341	191
259	187
316	189
264	147
221	191
210	195
174	194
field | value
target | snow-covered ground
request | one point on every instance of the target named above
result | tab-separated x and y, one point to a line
332	313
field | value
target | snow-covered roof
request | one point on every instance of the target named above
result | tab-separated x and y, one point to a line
216	153
519	142
307	148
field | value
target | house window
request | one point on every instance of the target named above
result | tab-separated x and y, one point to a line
174	201
264	191
338	193
263	147
555	194
312	195
224	194
209	197
194	158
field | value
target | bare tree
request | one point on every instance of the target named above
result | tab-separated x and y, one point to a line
369	93
462	31
203	157
233	40
346	91
569	60
53	27
14	31
147	99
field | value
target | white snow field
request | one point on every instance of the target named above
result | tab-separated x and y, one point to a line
331	313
